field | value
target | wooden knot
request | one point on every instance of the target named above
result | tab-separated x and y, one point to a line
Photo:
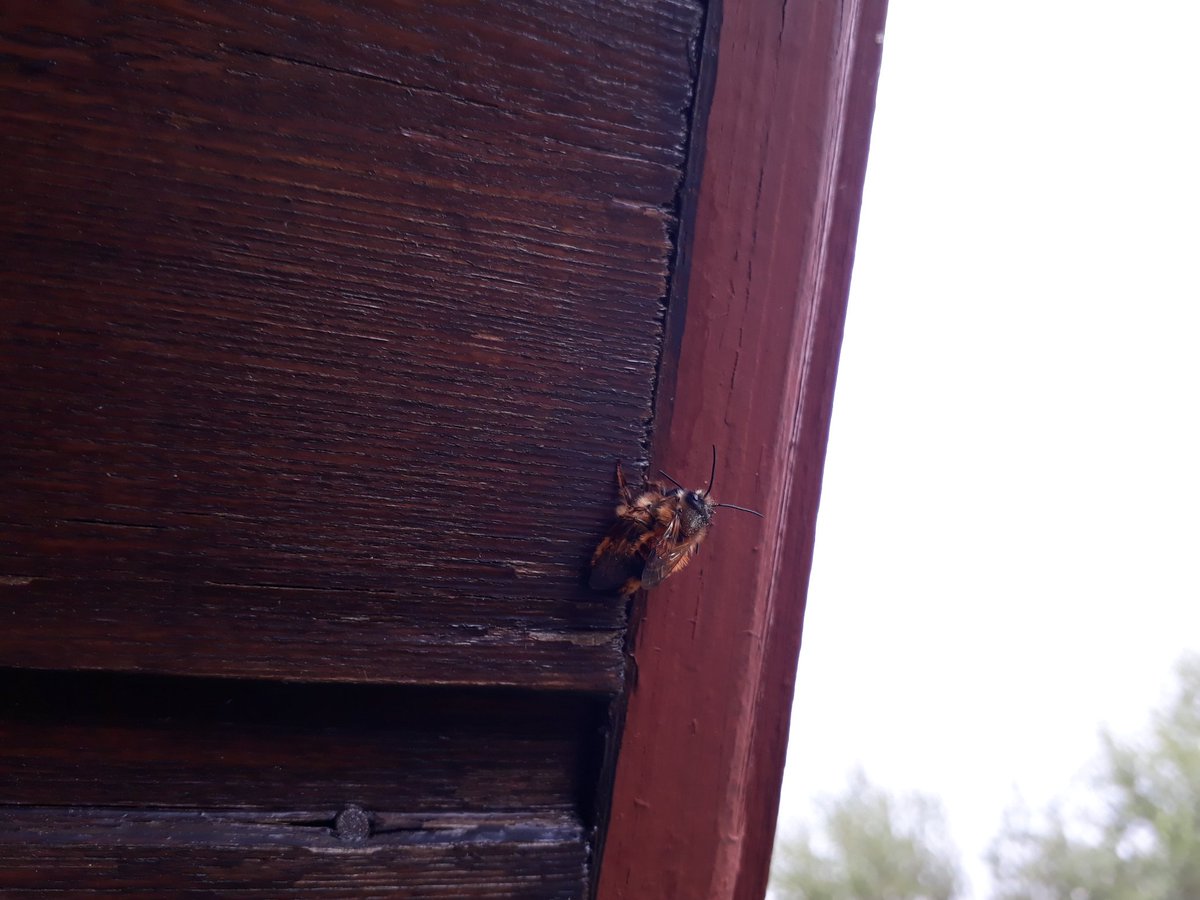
352	824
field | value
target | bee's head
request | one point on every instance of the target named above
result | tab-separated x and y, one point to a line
695	508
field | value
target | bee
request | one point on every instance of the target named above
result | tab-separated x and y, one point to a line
656	534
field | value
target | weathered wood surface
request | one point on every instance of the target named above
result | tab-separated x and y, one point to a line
294	634
84	739
167	786
697	781
323	325
114	853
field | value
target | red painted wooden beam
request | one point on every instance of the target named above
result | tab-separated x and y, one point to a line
750	364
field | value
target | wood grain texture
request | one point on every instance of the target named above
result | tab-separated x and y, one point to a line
697	780
166	786
323	325
102	853
168	743
307	634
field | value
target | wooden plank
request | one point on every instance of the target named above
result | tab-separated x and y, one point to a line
83	739
113	853
701	758
325	321
308	634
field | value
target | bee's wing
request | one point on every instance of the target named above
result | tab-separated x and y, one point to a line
621	555
670	555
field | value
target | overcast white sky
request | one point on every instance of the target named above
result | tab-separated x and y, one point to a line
1008	549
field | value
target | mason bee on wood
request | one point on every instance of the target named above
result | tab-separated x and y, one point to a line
656	534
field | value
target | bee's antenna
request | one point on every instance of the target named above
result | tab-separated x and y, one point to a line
742	508
713	473
672	480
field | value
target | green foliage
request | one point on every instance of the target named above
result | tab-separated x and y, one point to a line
871	846
1143	844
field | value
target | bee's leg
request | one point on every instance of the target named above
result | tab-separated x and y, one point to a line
623	490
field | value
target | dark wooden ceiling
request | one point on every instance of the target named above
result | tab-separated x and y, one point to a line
324	324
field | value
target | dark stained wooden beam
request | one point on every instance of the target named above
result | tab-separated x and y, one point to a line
323	325
750	366
153	742
55	852
161	785
283	633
